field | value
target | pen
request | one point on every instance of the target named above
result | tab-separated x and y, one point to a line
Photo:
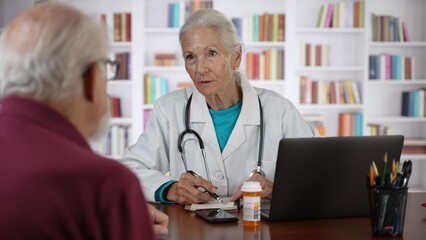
213	195
385	164
394	170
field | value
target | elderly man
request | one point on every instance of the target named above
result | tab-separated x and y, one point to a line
53	99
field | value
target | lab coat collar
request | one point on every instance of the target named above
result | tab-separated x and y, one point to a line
249	116
249	110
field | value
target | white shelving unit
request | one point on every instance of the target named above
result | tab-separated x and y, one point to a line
384	97
381	99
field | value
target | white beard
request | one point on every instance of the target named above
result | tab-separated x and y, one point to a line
102	128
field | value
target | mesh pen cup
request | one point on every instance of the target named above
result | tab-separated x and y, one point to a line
387	210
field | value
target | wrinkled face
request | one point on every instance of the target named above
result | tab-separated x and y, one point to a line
207	61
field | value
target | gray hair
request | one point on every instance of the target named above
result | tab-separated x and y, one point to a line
45	50
211	18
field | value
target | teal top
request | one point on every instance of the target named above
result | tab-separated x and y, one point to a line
224	122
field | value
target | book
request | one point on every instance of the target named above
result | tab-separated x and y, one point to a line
281	27
414	146
344	124
405	32
117	27
123	71
329	17
322	16
226	205
318	55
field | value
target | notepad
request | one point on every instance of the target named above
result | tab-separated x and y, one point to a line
226	205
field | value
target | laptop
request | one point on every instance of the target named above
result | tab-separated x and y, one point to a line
317	178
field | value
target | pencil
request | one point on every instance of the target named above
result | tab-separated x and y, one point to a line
385	165
376	171
371	176
394	170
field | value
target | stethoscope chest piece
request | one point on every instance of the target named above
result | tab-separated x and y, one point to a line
259	171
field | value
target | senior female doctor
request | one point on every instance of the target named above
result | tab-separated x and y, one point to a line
239	126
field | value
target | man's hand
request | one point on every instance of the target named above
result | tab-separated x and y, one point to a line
264	183
186	191
161	221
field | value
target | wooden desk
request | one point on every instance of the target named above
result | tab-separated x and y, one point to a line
185	225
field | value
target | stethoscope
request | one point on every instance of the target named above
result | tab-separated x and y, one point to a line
201	143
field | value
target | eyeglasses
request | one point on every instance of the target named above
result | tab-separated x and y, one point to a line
111	67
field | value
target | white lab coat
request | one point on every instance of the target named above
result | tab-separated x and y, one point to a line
156	151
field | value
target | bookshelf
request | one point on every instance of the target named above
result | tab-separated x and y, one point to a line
121	132
385	96
349	55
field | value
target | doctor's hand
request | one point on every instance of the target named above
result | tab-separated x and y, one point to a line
185	191
161	221
264	183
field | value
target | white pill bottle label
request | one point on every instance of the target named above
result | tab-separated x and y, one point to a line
252	191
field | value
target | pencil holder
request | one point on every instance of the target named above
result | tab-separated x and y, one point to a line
387	208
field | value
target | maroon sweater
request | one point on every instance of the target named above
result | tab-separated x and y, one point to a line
52	186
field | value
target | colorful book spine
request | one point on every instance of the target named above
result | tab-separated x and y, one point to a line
413	103
265	27
343	14
121	26
389	28
350	124
115	141
390	67
329	91
265	65
315	54
154	88
179	10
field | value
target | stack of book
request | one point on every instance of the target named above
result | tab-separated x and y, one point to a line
314	54
389	28
389	66
114	106
413	103
119	24
347	14
350	124
123	27
165	59
265	27
329	92
179	10
414	146
155	87
378	129
268	64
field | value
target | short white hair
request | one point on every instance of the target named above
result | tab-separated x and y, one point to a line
45	50
211	18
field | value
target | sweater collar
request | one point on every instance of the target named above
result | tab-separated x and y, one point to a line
42	115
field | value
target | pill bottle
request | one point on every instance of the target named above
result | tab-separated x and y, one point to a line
252	192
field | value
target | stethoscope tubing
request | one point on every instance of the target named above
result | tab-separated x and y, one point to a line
201	142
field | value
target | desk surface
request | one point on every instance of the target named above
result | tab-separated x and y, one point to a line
185	225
